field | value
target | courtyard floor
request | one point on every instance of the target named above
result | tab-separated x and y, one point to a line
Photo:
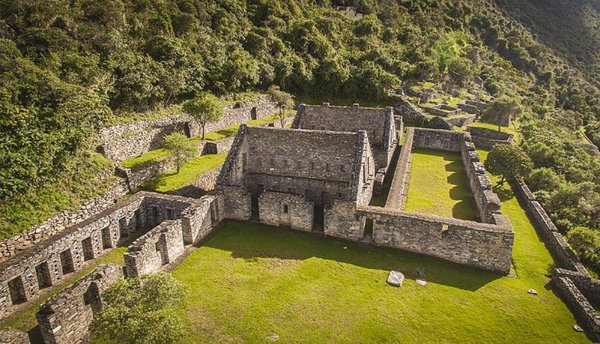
253	283
438	185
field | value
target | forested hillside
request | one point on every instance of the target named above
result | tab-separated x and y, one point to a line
68	67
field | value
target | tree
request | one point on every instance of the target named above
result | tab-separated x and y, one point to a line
141	310
502	108
283	100
509	162
205	108
180	149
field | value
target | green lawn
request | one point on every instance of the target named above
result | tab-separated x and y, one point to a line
26	321
250	282
189	172
438	185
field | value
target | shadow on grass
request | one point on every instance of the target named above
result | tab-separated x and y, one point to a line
504	192
380	200
253	241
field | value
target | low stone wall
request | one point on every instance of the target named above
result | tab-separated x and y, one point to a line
583	310
201	186
399	188
461	120
122	142
286	210
488	138
483	246
56	224
12	336
441	111
158	247
555	242
342	222
469	108
481	106
444	140
66	317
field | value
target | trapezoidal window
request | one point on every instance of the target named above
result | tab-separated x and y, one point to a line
88	250
123	228
170	214
42	273
106	240
285	209
66	262
17	291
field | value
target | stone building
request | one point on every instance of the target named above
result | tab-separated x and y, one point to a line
377	122
295	178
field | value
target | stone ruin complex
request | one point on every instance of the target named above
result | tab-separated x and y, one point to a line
318	177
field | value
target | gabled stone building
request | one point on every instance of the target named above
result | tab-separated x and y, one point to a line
377	122
296	178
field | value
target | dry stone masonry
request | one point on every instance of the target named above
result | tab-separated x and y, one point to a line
125	141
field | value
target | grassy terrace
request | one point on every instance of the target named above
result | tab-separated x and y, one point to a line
25	320
159	154
189	172
438	185
250	282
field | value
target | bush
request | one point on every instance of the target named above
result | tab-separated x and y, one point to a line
587	244
141	310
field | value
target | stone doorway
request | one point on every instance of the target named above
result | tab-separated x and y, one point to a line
319	218
17	291
285	217
254	207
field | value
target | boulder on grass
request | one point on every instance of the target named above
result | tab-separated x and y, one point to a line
395	278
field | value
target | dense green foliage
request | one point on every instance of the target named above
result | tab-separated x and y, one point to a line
508	162
141	310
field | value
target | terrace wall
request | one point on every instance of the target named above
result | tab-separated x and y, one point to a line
125	141
66	317
56	224
487	138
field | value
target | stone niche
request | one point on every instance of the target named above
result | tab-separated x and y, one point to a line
286	210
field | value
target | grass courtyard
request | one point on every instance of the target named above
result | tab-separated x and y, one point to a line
251	283
438	185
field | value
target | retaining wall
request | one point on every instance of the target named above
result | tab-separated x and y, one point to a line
66	317
122	142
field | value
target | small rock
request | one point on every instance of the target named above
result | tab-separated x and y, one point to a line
421	281
274	336
532	291
395	278
577	328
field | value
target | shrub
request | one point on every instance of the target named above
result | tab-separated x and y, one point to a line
141	310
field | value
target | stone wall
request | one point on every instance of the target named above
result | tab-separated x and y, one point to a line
66	317
444	140
286	210
342	222
470	243
56	224
237	203
399	188
122	142
156	248
488	138
583	310
486	200
555	242
200	186
379	124
22	277
12	336
318	164
40	267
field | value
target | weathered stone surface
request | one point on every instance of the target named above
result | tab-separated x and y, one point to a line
122	142
66	317
378	122
395	278
12	336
